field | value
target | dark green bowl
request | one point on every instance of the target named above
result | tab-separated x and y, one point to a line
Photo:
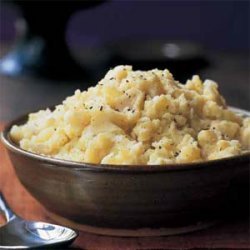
128	200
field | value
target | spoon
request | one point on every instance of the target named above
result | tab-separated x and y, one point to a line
18	233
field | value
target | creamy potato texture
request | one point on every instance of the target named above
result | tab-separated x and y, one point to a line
138	117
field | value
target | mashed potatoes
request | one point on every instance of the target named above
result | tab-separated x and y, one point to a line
138	117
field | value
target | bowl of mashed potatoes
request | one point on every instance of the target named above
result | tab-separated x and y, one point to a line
137	154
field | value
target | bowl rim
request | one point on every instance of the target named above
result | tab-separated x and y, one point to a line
82	166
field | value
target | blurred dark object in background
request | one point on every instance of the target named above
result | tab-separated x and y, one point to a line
42	50
180	57
147	34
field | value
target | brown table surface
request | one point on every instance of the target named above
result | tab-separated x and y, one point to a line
230	234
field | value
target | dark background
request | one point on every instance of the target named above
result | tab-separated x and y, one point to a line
221	27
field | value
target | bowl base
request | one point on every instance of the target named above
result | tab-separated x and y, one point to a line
141	232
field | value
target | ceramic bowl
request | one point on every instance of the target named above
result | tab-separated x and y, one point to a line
124	200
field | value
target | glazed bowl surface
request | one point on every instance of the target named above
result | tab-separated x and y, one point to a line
128	200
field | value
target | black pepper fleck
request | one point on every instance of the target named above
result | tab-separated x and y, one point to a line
101	108
177	153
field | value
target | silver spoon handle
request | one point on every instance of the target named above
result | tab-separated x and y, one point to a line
9	214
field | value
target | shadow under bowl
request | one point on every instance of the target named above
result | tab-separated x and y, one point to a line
128	200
